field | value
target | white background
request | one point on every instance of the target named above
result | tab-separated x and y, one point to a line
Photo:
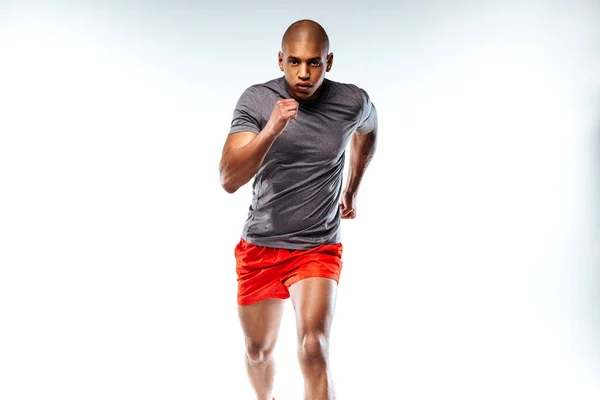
472	270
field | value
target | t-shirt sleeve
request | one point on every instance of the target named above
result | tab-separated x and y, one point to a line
245	114
368	118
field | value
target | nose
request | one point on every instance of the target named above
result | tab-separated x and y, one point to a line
303	71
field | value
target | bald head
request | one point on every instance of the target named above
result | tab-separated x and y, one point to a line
305	30
304	59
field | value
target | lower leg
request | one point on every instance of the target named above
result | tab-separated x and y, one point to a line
314	363
260	322
314	303
261	373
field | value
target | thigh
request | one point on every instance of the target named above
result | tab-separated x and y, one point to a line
260	321
314	303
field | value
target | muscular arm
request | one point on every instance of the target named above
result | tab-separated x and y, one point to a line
243	154
362	149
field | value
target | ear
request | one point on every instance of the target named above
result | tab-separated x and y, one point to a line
329	62
280	60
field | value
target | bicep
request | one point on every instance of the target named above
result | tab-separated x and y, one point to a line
237	140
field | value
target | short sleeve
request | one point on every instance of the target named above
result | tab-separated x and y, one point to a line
245	113
368	118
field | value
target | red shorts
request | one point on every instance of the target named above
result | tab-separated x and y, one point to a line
267	272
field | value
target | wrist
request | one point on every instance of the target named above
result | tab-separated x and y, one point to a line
269	131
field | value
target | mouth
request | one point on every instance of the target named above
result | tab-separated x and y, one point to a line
303	87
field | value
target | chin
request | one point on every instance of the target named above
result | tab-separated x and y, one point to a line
309	94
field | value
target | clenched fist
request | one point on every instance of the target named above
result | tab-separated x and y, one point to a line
348	205
283	112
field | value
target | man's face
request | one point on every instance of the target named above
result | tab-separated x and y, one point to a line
304	64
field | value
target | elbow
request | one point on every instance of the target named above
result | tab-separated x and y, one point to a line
227	185
229	188
226	179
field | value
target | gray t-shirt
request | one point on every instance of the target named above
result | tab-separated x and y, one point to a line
296	191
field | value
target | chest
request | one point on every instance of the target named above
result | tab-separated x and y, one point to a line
316	135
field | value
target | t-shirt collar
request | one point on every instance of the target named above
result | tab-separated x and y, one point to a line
322	95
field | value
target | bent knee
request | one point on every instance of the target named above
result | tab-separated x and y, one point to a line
258	352
313	347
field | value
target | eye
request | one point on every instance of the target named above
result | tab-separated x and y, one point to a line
293	62
316	63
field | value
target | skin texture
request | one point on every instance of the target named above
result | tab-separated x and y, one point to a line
362	150
304	59
244	152
314	304
260	323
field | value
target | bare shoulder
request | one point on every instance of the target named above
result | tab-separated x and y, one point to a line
237	140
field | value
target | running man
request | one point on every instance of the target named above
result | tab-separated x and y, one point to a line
291	134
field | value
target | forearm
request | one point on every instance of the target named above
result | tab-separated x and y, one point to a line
239	165
362	150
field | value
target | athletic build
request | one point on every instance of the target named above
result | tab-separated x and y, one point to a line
291	133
